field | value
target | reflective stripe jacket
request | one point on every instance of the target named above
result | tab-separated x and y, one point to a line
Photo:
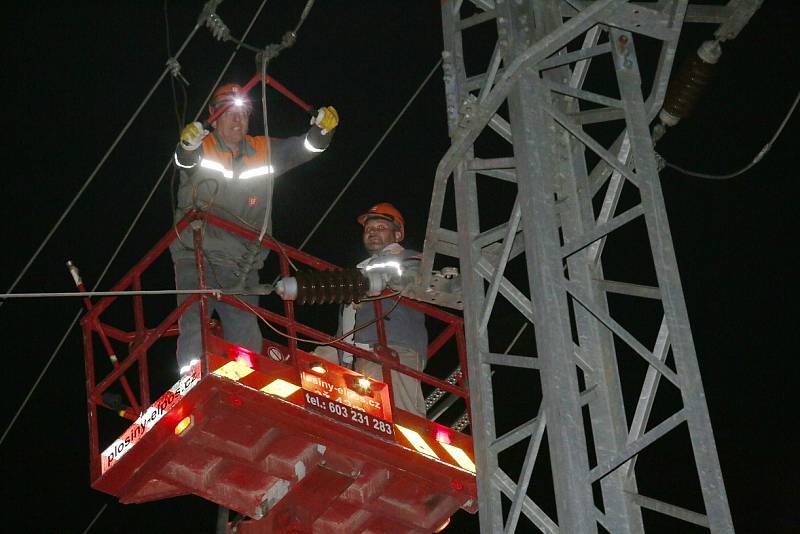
404	326
237	189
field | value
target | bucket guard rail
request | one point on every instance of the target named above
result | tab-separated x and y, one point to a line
132	348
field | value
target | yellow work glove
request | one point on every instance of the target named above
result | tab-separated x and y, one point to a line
327	119
192	135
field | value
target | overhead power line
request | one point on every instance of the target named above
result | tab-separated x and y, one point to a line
80	311
371	152
91	177
756	159
122	242
144	292
96	517
9	292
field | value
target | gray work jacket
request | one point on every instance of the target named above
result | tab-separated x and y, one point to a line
404	326
236	189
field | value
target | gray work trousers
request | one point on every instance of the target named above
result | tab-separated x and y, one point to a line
240	327
407	390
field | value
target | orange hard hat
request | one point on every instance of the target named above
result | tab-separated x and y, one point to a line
384	210
229	92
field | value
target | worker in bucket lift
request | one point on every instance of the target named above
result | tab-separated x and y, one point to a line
229	173
383	230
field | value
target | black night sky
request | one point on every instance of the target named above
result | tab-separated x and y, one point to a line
77	71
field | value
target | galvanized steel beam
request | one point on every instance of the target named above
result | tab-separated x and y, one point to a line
546	262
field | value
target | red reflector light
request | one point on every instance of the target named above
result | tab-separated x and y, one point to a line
443	436
244	359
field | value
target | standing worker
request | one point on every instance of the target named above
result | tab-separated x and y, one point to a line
228	173
384	229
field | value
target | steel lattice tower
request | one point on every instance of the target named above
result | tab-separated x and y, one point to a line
553	126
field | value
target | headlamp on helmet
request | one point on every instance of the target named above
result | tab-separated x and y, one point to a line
231	95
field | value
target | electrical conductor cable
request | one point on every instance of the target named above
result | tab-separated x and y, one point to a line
756	159
91	177
122	242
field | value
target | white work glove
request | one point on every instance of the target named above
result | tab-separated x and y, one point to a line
327	119
192	135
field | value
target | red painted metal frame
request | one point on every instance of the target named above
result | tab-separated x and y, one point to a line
142	338
242	441
269	80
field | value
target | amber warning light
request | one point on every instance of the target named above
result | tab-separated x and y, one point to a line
185	423
148	419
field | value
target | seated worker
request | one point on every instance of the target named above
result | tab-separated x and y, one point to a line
229	173
384	228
